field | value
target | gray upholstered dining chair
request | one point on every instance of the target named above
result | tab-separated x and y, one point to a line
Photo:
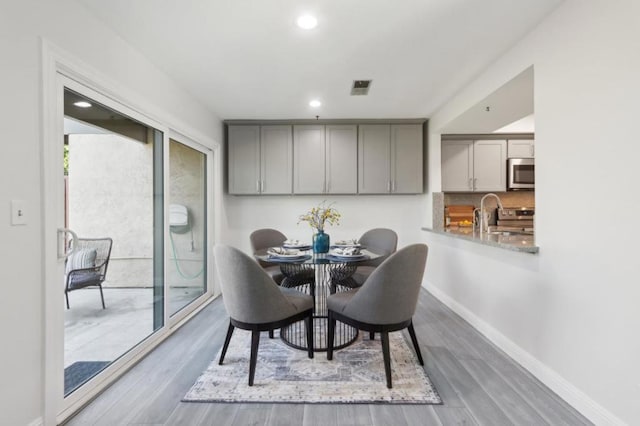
254	301
261	240
381	241
386	301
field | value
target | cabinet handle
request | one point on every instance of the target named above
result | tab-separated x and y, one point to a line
475	183
261	186
532	150
470	185
328	186
388	186
258	185
393	186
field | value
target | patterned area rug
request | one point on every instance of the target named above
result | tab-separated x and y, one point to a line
285	374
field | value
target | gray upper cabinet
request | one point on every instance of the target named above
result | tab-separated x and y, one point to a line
374	152
260	160
308	160
390	159
457	166
244	159
406	159
520	148
276	168
341	159
474	166
490	165
325	159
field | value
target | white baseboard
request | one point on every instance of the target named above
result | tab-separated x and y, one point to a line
571	394
36	422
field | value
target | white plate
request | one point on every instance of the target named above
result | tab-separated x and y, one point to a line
297	246
288	256
348	256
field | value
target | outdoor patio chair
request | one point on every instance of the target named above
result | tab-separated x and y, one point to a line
87	265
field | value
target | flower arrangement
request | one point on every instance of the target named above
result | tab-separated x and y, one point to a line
317	216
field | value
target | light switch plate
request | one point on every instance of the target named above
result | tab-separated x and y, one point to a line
18	212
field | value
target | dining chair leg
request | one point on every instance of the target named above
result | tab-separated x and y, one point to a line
226	343
330	332
270	334
102	296
372	335
384	337
414	339
255	340
66	295
308	321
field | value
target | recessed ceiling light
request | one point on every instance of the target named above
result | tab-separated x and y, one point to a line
307	22
82	104
315	103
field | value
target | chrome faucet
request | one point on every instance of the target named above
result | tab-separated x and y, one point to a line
483	219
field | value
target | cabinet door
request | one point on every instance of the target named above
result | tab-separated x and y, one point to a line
406	158
244	159
308	160
374	151
490	165
517	148
276	167
457	166
342	159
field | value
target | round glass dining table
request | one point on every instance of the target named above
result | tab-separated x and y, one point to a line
318	275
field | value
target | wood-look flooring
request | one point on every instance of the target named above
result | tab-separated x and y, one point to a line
478	383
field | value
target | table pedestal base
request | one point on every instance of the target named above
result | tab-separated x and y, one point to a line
295	334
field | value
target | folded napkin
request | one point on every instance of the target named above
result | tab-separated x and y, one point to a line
352	242
281	251
347	251
292	243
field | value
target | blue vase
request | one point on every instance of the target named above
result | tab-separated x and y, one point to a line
320	242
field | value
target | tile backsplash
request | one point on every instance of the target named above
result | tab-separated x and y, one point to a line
509	199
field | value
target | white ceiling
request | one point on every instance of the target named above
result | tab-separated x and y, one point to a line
246	59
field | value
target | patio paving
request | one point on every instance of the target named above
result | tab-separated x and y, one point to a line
96	334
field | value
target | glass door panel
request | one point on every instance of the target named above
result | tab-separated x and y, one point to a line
113	194
186	254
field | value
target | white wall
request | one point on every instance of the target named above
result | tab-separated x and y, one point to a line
570	313
245	214
70	27
111	195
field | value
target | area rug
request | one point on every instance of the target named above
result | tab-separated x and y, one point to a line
287	375
79	372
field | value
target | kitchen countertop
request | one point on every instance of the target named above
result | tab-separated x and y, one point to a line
521	243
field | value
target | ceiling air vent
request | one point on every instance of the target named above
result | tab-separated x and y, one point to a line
360	87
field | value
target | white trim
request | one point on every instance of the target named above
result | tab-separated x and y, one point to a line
36	422
567	391
56	64
209	156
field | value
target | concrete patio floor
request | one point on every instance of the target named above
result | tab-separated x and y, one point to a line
96	334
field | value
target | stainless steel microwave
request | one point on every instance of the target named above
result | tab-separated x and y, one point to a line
520	174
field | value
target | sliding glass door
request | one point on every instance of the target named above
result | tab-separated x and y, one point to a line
186	262
127	213
114	213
